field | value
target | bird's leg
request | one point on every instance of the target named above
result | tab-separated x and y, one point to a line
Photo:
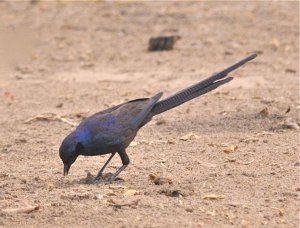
99	175
125	162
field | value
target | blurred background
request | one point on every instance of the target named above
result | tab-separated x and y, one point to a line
62	61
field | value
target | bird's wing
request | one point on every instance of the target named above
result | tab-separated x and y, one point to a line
106	111
118	124
133	113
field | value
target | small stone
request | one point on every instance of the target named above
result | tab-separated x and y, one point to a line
297	164
275	43
161	181
230	149
160	122
289	70
21	140
189	209
265	112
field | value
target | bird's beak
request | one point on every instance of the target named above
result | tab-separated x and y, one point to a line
66	169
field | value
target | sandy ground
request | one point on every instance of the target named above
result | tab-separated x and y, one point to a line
65	61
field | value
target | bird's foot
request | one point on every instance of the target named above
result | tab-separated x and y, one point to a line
107	178
104	179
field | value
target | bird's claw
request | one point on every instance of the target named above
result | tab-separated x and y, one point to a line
104	179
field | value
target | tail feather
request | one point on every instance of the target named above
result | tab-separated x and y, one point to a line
198	89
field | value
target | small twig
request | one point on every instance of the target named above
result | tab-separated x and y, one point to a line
26	208
51	117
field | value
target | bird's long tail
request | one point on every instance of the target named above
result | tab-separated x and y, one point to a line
199	88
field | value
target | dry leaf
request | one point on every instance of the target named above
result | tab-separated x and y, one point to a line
290	124
50	186
189	136
160	180
26	208
50	117
275	43
230	149
213	197
131	192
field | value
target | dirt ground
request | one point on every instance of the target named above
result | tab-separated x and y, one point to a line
63	61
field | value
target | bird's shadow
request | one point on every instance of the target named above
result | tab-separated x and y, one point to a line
90	179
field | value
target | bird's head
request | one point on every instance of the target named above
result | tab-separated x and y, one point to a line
69	151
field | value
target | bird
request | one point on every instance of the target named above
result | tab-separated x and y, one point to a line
112	130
